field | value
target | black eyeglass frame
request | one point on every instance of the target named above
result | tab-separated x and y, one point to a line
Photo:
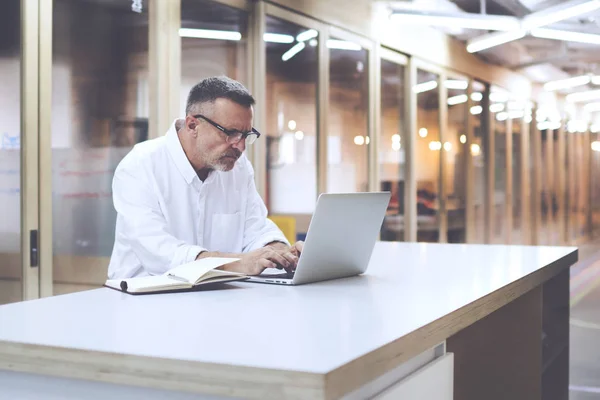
230	133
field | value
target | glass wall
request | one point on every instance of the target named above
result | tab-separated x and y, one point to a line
595	168
348	134
546	197
99	111
428	148
392	156
477	148
517	172
456	151
214	41
10	152
499	105
291	125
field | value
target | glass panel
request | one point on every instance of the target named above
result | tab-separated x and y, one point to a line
545	196
213	42
595	162
517	172
10	152
572	184
291	130
392	158
99	111
428	156
348	135
499	105
555	233
456	149
477	148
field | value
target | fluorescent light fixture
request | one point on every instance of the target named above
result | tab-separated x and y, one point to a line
567	83
307	35
278	38
566	36
456	84
209	34
297	48
560	12
342	45
493	39
498	107
425	86
458	20
498	97
476	96
454	100
516	114
476	110
502	116
591	107
579	97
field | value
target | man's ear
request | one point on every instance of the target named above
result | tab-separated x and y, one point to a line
191	123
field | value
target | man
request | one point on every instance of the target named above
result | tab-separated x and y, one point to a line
190	194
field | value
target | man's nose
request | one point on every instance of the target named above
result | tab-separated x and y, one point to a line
241	145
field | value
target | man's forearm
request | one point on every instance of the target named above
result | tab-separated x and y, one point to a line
206	254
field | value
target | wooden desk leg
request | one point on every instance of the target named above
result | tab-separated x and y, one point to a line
521	351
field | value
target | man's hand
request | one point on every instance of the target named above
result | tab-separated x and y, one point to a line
255	262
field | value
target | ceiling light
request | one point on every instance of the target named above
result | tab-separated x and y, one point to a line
583	96
293	51
476	96
456	84
516	114
395	138
342	45
493	39
307	35
497	107
567	83
475	149
458	20
591	107
435	145
463	139
454	100
503	116
209	34
425	86
559	12
447	146
359	140
596	145
313	42
299	135
278	38
396	146
423	132
292	124
566	36
498	97
595	128
476	110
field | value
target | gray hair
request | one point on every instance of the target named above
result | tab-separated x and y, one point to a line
210	89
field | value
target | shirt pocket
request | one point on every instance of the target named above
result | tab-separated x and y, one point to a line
227	232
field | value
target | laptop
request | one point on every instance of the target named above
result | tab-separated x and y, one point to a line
340	239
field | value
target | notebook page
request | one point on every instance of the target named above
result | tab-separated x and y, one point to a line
146	283
194	270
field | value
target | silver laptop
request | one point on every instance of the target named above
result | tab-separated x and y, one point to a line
340	239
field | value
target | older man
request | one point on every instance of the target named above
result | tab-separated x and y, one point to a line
190	194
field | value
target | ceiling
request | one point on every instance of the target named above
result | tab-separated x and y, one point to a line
541	60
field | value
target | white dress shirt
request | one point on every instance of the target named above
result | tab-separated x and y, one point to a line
166	215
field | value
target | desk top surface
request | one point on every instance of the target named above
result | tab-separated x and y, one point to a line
314	328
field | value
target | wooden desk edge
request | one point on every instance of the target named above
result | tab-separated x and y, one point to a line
362	370
258	383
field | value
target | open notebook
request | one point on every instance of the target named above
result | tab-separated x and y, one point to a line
184	277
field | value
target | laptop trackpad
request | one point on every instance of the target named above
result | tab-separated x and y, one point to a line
275	273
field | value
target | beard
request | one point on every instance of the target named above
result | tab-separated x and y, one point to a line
226	161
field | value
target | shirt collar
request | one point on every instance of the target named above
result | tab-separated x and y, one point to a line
178	155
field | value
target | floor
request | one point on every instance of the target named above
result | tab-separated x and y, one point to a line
585	324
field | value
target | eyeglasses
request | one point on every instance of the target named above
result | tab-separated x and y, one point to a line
233	135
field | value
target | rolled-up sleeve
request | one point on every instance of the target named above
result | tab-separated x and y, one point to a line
259	230
143	226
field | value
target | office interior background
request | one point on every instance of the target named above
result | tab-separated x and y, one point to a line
476	146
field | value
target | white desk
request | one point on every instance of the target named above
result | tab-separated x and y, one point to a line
321	340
